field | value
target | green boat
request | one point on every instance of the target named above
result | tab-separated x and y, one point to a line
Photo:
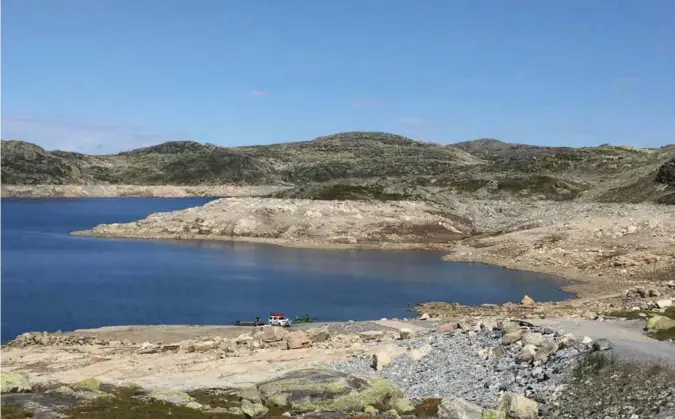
306	319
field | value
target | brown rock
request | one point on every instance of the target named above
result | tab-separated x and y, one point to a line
273	334
510	338
385	355
447	328
297	340
320	336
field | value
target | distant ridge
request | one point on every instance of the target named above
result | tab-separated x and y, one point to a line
367	165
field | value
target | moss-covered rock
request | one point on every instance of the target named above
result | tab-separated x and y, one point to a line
660	323
370	410
516	406
253	410
327	390
171	396
13	382
91	384
493	414
403	406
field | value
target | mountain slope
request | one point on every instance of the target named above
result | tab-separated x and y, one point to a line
368	165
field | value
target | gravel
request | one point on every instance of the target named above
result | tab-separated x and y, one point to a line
461	365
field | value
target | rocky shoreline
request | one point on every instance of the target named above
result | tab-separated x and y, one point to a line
127	191
389	368
601	248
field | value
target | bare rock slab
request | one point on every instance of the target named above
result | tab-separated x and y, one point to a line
327	390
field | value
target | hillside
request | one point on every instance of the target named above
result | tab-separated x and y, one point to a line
367	165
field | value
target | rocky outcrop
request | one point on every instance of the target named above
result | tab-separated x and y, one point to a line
666	173
291	221
13	382
327	390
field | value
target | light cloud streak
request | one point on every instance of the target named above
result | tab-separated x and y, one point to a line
259	92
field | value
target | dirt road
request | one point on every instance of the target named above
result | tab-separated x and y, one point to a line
627	338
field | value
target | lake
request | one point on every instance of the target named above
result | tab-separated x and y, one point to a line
52	281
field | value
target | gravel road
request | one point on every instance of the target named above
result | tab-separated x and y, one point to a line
627	338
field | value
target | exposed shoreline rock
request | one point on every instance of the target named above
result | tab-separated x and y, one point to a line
599	248
119	191
299	221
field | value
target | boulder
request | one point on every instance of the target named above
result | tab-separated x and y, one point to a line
510	338
527	353
403	406
385	355
509	327
204	345
425	316
566	341
297	340
527	301
586	340
253	410
602	345
447	328
664	303
531	338
418	353
456	408
90	384
13	382
545	350
250	393
171	396
320	335
63	390
405	333
497	351
660	323
327	390
515	406
370	410
273	334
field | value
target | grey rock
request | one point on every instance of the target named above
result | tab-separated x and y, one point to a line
456	408
602	345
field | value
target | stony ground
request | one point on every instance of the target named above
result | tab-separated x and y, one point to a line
480	361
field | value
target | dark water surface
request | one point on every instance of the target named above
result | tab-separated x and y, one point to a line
53	281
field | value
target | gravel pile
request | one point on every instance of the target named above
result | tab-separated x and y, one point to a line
474	364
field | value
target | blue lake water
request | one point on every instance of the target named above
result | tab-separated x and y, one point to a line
53	281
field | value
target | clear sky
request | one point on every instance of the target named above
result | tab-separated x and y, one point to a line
107	75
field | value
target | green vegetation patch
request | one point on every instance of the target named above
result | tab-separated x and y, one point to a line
14	412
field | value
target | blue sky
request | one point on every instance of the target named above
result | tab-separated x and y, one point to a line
107	75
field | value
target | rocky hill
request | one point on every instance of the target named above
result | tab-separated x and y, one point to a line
367	165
